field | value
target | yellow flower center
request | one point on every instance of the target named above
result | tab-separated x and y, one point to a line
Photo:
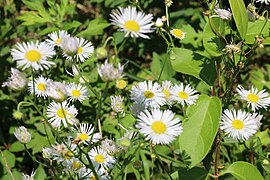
75	93
132	25
68	155
33	55
148	94
121	84
61	113
79	51
92	177
58	41
76	165
253	98
237	124
83	137
99	158
178	33
167	93
183	95
41	86
159	127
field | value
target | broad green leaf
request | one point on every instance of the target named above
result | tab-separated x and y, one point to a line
254	28
95	27
7	159
15	174
240	16
16	147
243	171
211	42
194	174
40	173
201	128
128	121
188	62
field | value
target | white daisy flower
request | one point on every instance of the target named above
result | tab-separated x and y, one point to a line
56	90
27	177
178	33
160	127
33	55
39	88
148	93
166	87
72	164
76	92
84	50
70	46
258	119
55	38
64	113
133	23
108	72
184	94
263	1
238	124
85	134
101	159
254	98
22	135
17	80
117	104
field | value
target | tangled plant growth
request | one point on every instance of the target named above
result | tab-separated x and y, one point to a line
106	89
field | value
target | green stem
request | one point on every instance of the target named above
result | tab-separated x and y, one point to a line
33	158
167	15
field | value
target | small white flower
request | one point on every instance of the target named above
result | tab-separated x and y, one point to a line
56	90
133	23
184	94
109	146
17	80
167	87
263	1
76	92
148	93
178	33
254	98
160	127
27	177
58	113
238	124
70	46
63	152
223	13
33	55
108	72
85	134
159	23
39	87
56	38
47	153
22	135
117	104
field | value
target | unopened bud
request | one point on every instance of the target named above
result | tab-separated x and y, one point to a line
17	115
101	53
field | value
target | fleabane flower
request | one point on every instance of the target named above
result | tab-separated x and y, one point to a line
76	92
84	50
178	33
38	86
184	94
166	87
22	135
238	124
56	38
160	127
85	134
108	72
57	91
256	99
117	104
17	80
101	159
263	1
148	93
133	23
58	113
223	13
33	55
29	177
70	46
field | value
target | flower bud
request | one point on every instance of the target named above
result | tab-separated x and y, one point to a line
101	53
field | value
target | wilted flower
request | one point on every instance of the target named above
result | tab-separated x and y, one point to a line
108	72
27	177
223	13
57	91
168	3
17	80
109	146
117	104
70	45
22	135
47	153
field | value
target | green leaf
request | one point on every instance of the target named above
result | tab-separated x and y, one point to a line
194	174
146	165
16	147
95	27
240	16
211	42
254	28
188	62
40	173
7	159
201	128
243	171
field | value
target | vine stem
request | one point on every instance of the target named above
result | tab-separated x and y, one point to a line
217	156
